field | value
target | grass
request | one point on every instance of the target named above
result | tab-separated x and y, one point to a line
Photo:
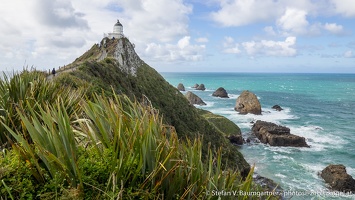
67	146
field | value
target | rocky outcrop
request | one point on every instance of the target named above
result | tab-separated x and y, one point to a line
277	107
195	86
220	92
247	102
201	87
275	135
338	179
194	99
236	139
181	87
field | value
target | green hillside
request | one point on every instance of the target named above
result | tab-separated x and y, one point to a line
133	77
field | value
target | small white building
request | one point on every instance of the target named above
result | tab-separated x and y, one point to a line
117	31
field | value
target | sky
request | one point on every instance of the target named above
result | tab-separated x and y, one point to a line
303	36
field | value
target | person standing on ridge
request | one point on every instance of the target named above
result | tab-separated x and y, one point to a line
53	71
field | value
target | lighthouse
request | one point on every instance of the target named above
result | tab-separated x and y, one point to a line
117	31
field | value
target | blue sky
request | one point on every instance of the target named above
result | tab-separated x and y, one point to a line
194	35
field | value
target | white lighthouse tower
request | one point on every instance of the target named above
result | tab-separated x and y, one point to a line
117	31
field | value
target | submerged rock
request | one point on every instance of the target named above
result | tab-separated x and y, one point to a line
201	87
338	179
247	102
220	92
181	87
277	107
275	135
194	99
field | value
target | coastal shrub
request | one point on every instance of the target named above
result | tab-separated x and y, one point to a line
31	89
117	149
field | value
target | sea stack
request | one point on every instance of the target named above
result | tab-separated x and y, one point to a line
194	99
275	135
247	102
338	179
181	87
201	87
220	92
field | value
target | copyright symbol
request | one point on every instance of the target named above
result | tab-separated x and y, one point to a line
207	193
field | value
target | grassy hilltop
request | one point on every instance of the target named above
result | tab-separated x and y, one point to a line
111	129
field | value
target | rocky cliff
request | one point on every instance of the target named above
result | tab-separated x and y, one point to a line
114	66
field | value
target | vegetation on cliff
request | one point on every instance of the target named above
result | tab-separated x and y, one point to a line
147	84
72	147
99	132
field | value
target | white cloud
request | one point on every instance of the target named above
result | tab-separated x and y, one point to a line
344	7
270	30
202	40
349	54
243	12
334	28
271	48
293	21
53	33
290	17
230	46
151	20
183	50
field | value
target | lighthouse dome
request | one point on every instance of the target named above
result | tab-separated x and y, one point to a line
118	28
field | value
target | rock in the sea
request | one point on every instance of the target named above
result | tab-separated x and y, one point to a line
247	102
275	135
267	184
236	139
220	92
195	86
201	87
338	179
277	107
181	87
194	99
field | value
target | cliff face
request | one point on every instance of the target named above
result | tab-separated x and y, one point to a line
114	63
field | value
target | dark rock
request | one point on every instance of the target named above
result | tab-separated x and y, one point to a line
181	87
247	102
277	107
220	92
201	87
267	184
194	99
338	179
195	86
236	139
275	135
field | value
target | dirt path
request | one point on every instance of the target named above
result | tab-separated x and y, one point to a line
51	76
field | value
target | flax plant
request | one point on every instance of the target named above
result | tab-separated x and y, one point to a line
54	143
148	159
19	91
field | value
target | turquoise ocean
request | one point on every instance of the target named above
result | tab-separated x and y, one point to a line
319	107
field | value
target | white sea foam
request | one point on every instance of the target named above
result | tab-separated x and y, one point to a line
280	175
233	96
209	104
350	171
